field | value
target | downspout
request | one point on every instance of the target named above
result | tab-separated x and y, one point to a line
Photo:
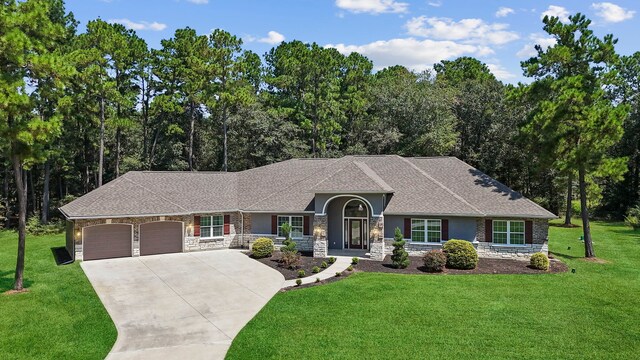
241	227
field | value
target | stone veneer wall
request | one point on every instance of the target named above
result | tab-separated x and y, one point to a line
320	230
377	246
191	243
487	249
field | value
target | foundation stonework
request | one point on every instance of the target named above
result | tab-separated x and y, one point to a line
376	239
320	243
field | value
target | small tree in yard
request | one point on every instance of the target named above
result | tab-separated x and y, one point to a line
290	257
400	257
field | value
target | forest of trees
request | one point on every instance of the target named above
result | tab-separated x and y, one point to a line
78	110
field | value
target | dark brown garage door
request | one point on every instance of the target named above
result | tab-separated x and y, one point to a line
106	241
160	238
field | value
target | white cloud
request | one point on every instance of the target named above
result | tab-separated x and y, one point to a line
142	25
435	3
199	2
273	37
412	53
466	30
529	49
500	72
612	13
504	11
557	11
373	6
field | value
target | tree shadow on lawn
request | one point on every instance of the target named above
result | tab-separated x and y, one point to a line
7	278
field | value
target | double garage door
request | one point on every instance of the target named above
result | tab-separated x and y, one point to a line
116	240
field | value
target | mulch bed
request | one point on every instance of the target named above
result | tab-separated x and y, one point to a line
485	266
307	262
344	275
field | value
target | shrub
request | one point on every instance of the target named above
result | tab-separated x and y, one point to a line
355	260
539	261
301	273
350	268
324	265
290	259
299	282
400	257
633	217
262	247
317	280
338	273
315	270
332	260
460	254
35	227
434	260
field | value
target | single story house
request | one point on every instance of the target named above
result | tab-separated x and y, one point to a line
349	204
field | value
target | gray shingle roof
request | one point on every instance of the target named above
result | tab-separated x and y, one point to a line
430	186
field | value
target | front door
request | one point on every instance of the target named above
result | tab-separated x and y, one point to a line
356	233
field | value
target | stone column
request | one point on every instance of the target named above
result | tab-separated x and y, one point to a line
377	238
320	248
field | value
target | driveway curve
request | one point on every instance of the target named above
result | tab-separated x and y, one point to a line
181	306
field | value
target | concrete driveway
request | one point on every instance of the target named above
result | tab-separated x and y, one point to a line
181	306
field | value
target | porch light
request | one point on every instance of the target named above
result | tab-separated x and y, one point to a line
78	235
360	208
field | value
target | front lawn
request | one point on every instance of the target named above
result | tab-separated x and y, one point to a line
60	317
592	313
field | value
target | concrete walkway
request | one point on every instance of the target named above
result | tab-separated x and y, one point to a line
341	264
181	306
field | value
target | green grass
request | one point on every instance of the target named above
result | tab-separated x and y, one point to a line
594	313
60	317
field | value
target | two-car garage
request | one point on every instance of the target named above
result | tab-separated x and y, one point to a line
116	240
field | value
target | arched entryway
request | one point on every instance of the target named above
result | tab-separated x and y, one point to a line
355	225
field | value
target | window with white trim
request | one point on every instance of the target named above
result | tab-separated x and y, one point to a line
296	223
426	230
211	226
508	232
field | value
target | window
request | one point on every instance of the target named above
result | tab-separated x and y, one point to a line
508	232
296	223
424	230
211	226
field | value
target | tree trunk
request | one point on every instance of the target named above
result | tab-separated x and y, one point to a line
118	135
224	130
567	217
191	134
145	122
22	221
34	195
588	244
101	155
45	194
7	203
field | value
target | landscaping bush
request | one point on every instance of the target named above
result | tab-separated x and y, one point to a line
262	247
301	273
350	268
317	280
315	270
633	217
338	273
290	259
299	282
460	254
35	227
539	261
332	260
400	257
324	265
434	260
355	260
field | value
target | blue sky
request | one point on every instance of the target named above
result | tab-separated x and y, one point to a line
415	34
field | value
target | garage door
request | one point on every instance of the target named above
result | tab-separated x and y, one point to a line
106	241
161	238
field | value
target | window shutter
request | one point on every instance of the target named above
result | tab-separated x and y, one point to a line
488	230
528	232
196	225
274	224
445	229
307	225
407	228
227	221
